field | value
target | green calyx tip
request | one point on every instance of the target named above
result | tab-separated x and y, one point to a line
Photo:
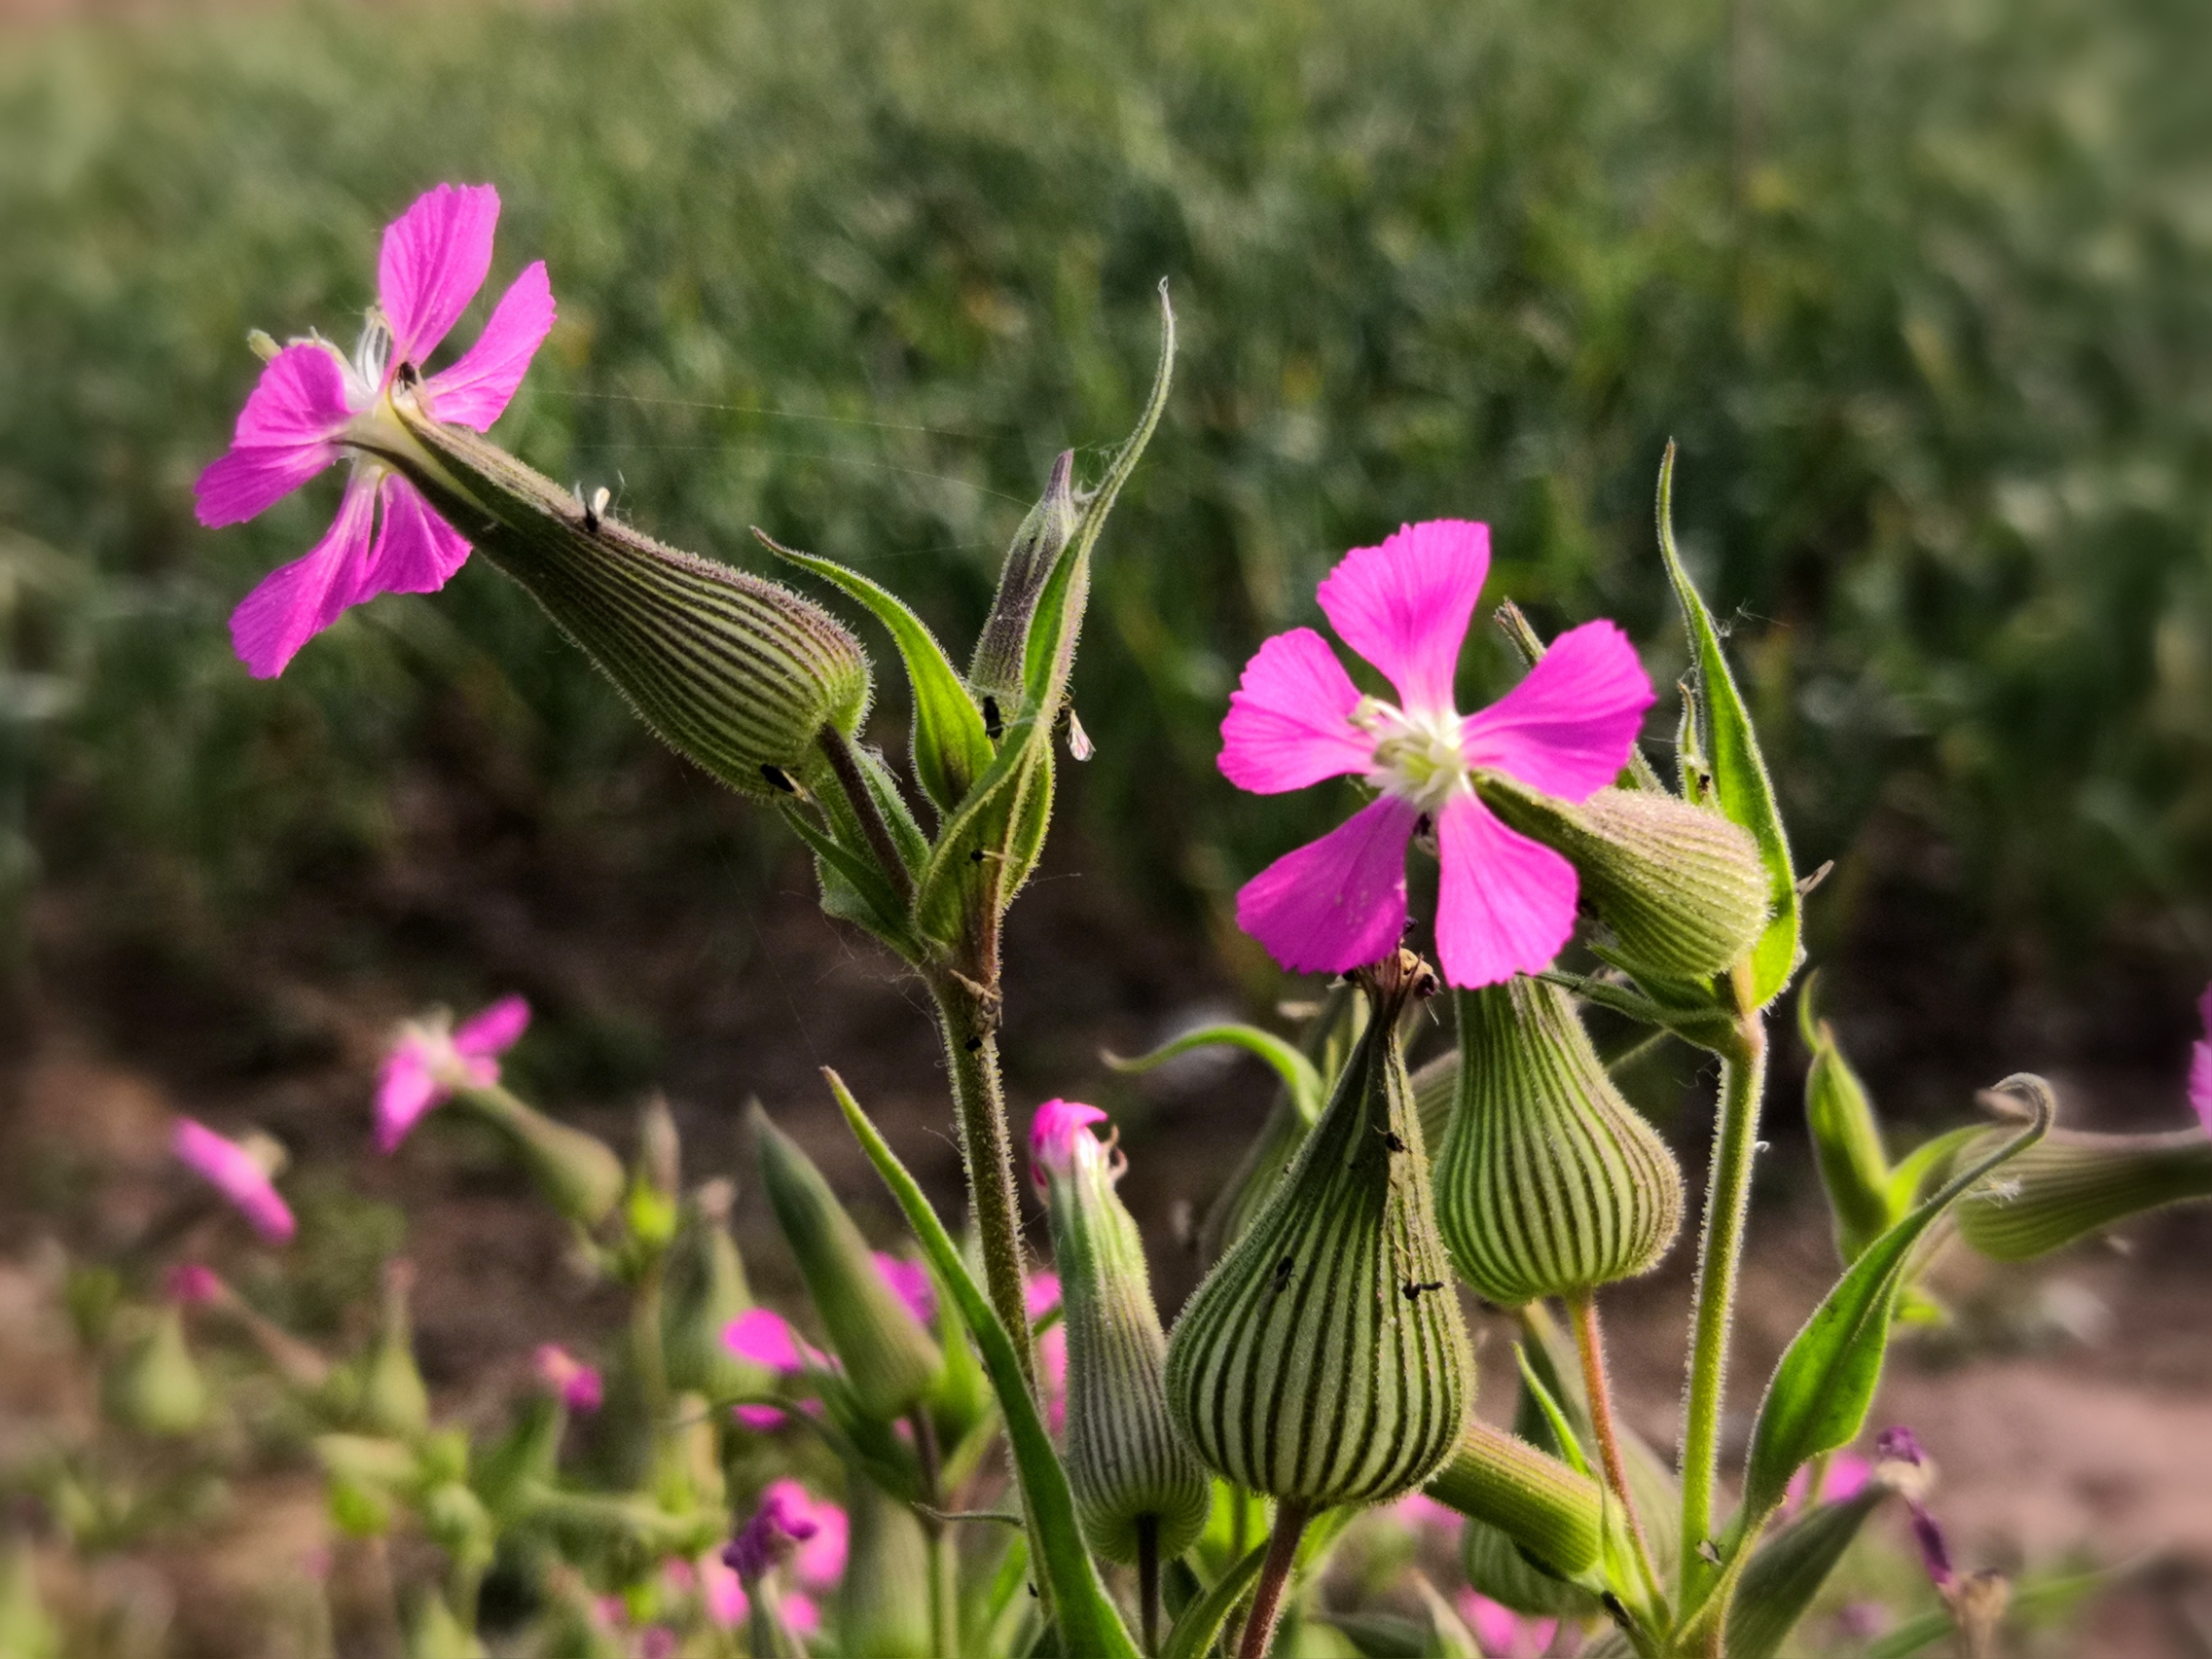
1124	1461
1549	1183
1324	1360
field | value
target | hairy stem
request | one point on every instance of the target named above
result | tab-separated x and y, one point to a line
1727	1203
1589	1340
979	1101
1290	1520
846	766
944	1591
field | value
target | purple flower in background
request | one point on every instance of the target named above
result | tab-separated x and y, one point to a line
791	1524
911	1280
1844	1477
1506	904
428	1063
238	1175
1043	1295
191	1285
567	1378
313	404
2200	1065
763	1337
1901	1446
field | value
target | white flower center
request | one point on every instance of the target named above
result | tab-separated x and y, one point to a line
1417	756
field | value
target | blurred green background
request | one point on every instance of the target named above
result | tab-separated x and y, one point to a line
1923	287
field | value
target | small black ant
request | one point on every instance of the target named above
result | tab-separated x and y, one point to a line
994	727
1282	1275
777	777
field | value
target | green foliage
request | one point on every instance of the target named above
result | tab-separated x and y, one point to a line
1919	294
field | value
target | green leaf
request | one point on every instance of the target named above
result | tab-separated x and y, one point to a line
1730	748
1927	1163
951	749
1087	1619
1819	1396
853	888
1299	1076
1788	1571
1847	1139
1200	1622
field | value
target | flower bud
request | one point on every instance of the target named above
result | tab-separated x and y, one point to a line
393	1399
2071	1183
1129	1474
1682	888
705	1290
1323	1360
732	671
156	1387
1847	1139
578	1173
996	670
888	1359
26	1631
1549	1184
1526	1507
883	1596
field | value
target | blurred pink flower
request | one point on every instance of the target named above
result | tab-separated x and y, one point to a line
658	1641
575	1384
1506	904
790	1523
312	406
1862	1620
761	1420
800	1617
238	1175
765	1337
1422	1513
1500	1632
911	1280
191	1285
1043	1294
2200	1065
722	1594
1053	1134
1845	1478
428	1063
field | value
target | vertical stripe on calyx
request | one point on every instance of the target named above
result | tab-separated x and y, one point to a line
1323	1360
1549	1183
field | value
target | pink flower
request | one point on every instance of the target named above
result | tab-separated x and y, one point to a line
191	1285
722	1594
312	406
791	1524
567	1378
1420	1513
800	1617
238	1175
2200	1065
1056	1137
1043	1295
911	1280
1507	905
428	1063
764	1337
658	1641
1500	1632
1845	1478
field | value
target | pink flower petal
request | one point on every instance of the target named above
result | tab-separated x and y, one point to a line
435	257
234	1173
284	437
1338	902
1289	719
297	602
764	1337
1052	1373
911	1281
417	551
191	1284
405	1091
1053	1133
1494	1626
1041	1293
1568	727
1404	605
761	1420
2200	1066
495	1030
577	1385
800	1615
475	390
819	1561
722	1593
1506	904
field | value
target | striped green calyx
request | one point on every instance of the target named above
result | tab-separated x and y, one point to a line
891	1360
1129	1471
2071	1183
996	669
705	1290
1549	1184
736	672
1682	888
1323	1360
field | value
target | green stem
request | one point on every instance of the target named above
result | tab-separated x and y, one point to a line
1290	1520
838	751
1727	1204
979	1101
944	1591
1589	1341
1149	1580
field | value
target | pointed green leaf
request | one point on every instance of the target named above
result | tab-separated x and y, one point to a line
1788	1571
951	749
1296	1071
1847	1139
1730	748
1088	1621
1819	1396
1193	1634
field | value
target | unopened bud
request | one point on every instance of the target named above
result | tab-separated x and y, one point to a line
883	1595
652	1209
1847	1140
996	670
393	1399
2071	1183
1681	887
578	1173
732	671
1523	1507
1323	1360
890	1359
705	1290
156	1387
1130	1474
1549	1184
